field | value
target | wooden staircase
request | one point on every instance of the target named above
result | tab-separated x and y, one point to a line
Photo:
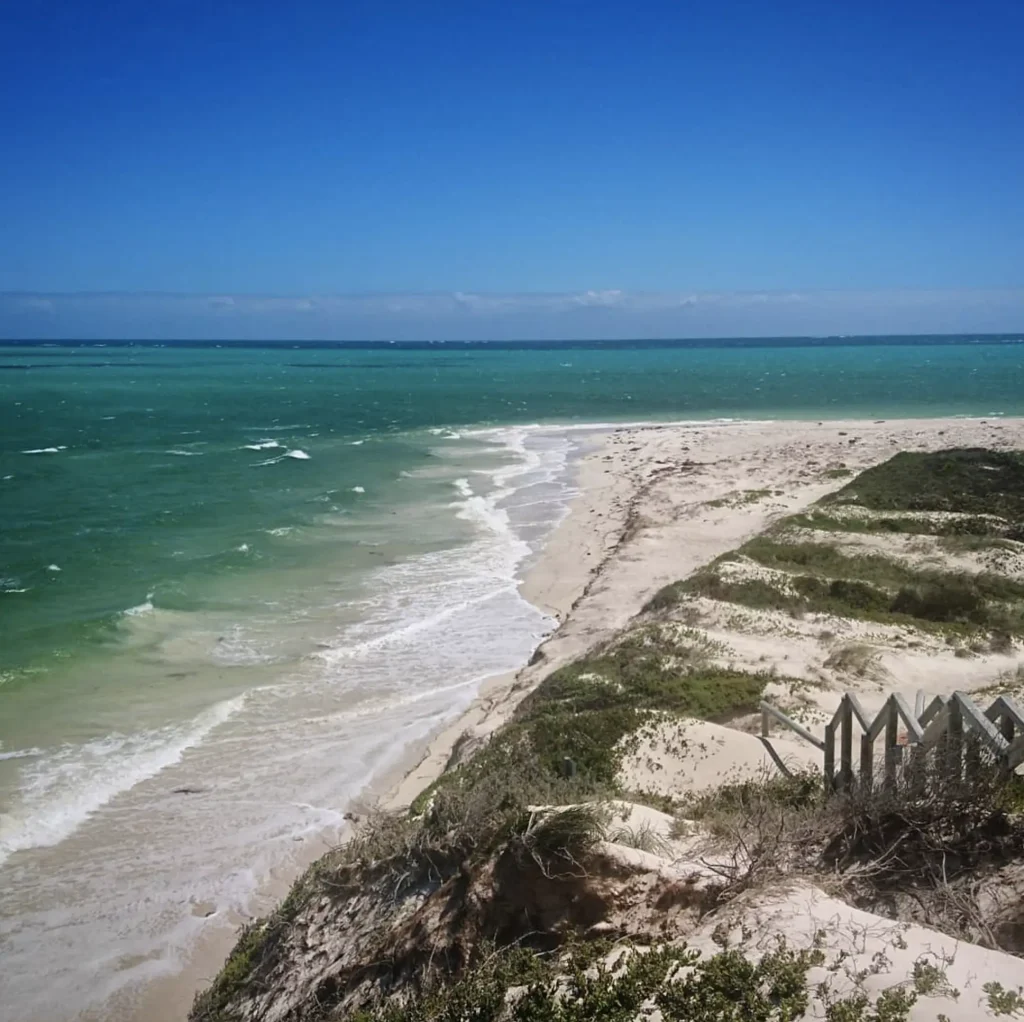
951	734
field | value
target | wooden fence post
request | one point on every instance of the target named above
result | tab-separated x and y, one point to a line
867	765
953	767
1006	728
892	746
846	747
830	757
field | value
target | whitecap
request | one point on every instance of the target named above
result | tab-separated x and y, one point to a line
243	549
67	786
44	450
297	454
462	485
262	445
142	608
282	530
358	489
7	477
186	454
20	754
53	567
357	443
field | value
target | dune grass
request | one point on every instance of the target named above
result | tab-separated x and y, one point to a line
934	601
582	712
825	560
977	527
973	481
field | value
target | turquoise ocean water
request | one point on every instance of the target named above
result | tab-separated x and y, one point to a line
262	572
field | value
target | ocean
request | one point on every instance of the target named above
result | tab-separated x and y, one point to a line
237	582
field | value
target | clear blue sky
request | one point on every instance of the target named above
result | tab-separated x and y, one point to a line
297	149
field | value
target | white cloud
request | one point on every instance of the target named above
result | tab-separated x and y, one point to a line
34	303
597	313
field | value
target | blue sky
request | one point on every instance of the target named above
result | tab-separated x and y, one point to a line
230	166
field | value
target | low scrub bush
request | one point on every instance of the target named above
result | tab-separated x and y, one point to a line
665	598
972	481
823	580
514	986
798	790
855	658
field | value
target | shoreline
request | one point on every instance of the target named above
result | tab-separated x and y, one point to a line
644	515
167	998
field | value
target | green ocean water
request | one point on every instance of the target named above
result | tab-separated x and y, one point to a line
261	572
152	487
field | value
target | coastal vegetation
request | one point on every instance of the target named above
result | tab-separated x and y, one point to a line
972	500
965	492
531	883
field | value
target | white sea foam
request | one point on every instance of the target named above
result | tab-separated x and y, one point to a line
8	477
186	454
45	450
60	791
141	608
20	754
243	549
281	530
439	605
53	567
358	489
357	443
262	445
296	454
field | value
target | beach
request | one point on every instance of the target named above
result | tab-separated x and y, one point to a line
258	589
655	503
659	501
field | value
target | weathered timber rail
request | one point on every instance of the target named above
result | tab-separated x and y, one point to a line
953	729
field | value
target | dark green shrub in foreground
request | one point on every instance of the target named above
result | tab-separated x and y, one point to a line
725	987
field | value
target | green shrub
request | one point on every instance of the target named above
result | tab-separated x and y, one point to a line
822	579
516	986
799	790
943	601
971	481
750	592
665	598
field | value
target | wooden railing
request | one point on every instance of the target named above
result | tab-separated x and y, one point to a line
954	726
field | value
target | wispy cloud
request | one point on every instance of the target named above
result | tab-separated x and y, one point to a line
591	313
